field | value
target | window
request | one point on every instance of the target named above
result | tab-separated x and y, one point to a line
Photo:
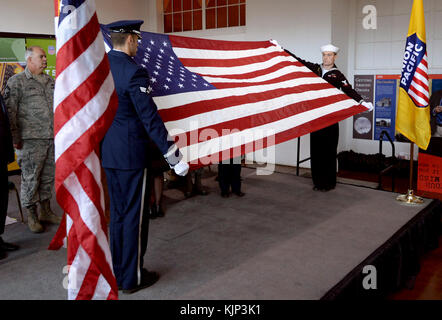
225	13
188	15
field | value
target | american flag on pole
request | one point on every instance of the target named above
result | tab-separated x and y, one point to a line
85	102
221	99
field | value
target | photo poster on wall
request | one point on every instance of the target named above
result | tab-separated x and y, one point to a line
7	70
12	58
363	122
12	61
12	50
385	105
48	45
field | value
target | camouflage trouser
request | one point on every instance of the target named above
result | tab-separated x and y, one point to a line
36	161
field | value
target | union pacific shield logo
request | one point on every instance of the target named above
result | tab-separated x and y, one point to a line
414	79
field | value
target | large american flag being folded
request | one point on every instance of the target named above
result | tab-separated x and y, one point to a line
221	99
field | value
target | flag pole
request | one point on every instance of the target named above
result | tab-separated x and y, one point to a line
409	197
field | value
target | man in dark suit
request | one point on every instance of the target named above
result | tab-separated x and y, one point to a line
436	113
6	156
124	152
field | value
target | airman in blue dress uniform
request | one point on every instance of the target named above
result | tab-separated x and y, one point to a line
124	151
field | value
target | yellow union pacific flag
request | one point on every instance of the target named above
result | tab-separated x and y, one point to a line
413	113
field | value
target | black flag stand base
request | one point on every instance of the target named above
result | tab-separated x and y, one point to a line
410	198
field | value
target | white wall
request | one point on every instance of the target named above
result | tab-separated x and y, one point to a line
380	51
340	38
109	11
340	32
27	16
37	16
383	48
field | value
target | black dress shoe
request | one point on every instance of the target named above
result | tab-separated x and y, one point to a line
160	212
240	194
201	192
224	194
5	246
188	194
322	189
147	280
153	212
3	254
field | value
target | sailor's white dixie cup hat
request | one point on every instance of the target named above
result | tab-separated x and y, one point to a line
329	48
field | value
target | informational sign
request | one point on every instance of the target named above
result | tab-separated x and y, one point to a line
12	58
12	50
429	173
436	82
363	122
385	104
48	46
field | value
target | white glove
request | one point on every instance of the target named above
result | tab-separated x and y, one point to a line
275	42
368	105
181	168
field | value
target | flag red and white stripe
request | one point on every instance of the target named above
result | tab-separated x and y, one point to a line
85	103
419	89
259	96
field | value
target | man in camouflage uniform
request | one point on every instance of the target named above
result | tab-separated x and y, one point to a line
29	101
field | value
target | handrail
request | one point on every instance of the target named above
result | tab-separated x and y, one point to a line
384	132
297	157
393	177
381	138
